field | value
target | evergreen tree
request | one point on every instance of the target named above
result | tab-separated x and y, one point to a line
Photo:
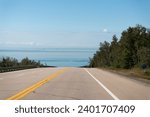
133	49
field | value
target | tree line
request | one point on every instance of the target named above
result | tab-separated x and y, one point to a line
131	50
12	64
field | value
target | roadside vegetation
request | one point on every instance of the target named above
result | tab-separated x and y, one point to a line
130	52
11	64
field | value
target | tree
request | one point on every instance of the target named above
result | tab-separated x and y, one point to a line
114	52
133	49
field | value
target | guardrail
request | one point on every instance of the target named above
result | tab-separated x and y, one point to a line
8	69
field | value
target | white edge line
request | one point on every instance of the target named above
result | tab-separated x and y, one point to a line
104	87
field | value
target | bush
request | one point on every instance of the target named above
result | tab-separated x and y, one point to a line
11	64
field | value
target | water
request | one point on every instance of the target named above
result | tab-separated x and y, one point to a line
71	57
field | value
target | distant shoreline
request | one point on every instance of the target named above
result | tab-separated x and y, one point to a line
72	57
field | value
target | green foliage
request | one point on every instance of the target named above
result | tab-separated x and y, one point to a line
26	61
133	49
11	64
8	62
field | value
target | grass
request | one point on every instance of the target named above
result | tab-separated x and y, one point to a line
134	72
147	73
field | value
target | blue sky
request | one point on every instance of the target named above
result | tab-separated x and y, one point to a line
67	23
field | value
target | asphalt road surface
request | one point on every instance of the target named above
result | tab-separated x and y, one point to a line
70	84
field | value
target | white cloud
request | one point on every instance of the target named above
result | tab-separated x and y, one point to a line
10	43
20	43
105	30
52	39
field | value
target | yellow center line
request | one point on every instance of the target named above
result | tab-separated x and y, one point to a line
30	89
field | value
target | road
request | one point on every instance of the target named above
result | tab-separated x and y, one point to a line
70	84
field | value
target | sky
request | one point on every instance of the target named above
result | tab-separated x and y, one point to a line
67	23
